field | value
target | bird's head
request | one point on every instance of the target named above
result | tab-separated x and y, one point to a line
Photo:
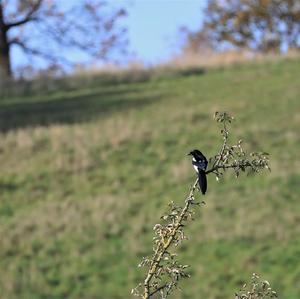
194	152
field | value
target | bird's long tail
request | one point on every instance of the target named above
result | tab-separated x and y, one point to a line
202	181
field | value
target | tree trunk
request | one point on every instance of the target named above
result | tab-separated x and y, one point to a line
5	67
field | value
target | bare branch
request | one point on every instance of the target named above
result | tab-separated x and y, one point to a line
37	52
28	17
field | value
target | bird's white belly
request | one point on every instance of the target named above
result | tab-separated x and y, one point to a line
196	168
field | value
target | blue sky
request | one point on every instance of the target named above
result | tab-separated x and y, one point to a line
153	27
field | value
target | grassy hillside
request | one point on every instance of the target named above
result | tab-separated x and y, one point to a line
85	174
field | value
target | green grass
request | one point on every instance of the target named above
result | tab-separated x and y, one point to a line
86	173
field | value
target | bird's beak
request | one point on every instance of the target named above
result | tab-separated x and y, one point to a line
189	154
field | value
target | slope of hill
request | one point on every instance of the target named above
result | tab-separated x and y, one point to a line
86	173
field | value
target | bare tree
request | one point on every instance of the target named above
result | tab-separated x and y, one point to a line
47	29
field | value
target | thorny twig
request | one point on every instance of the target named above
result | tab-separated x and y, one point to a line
165	244
258	289
164	271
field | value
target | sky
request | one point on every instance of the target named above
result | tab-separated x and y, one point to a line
153	27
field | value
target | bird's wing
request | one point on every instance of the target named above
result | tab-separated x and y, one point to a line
202	164
196	163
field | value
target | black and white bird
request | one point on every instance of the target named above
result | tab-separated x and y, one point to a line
200	164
